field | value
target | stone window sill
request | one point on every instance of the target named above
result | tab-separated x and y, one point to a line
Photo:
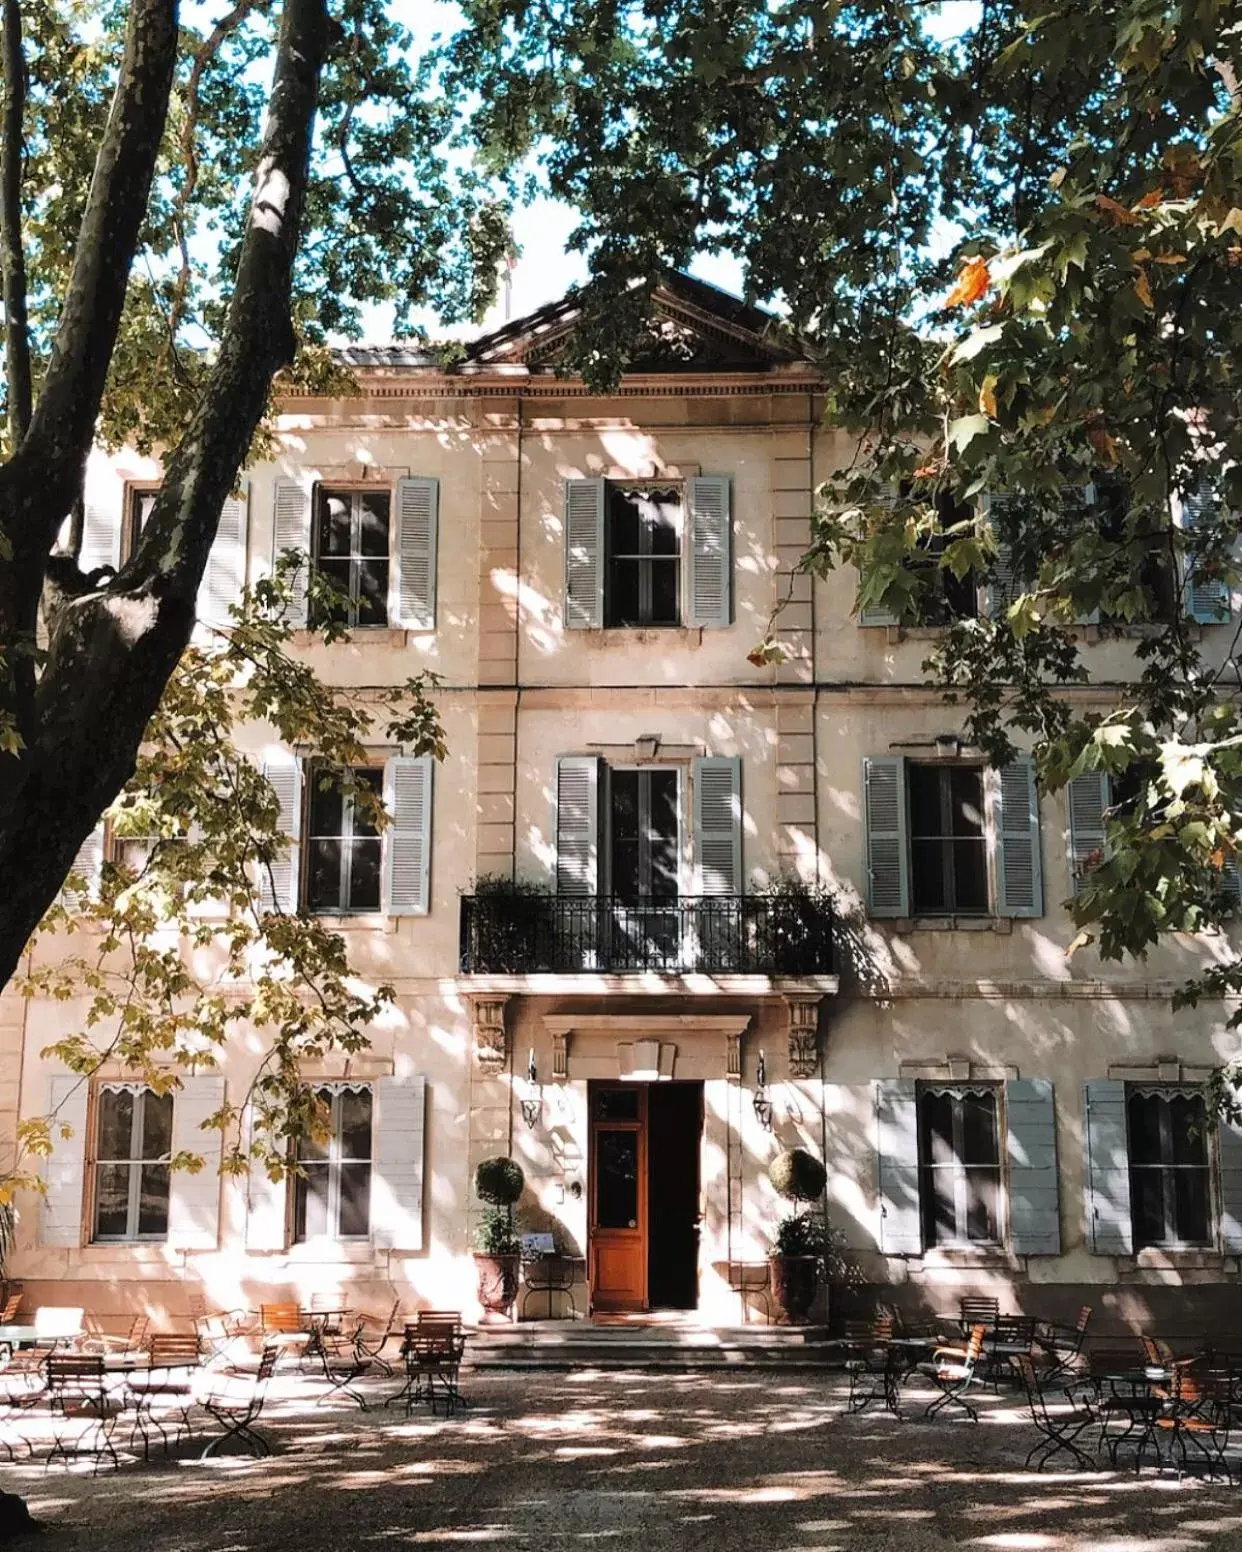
364	636
689	636
907	924
994	1257
1159	1260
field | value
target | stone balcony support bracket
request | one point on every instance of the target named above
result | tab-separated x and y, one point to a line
803	1036
491	1040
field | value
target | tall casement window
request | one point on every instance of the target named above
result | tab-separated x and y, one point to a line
643	830
948	843
344	847
1170	1167
332	1190
959	1165
643	543
138	505
351	549
133	1146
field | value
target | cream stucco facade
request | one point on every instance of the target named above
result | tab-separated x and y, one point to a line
969	1001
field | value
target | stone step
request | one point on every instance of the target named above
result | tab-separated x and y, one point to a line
584	1345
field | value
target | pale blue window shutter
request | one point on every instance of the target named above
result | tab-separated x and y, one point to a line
711	551
1004	584
412	587
1087	799
1034	1203
291	530
194	1199
1206	598
1109	1228
278	883
407	841
897	1166
1229	1159
1019	877
888	857
62	1206
584	554
87	867
397	1163
224	578
718	824
101	532
577	825
266	1199
875	615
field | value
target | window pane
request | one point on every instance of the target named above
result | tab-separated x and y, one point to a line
664	522
939	1216
368	782
1191	1196
311	1202
937	1116
665	580
966	793
364	875
924	784
373	592
355	1131
623	523
970	876
616	1185
116	1121
324	874
326	806
1189	1128
1147	1207
617	1105
621	605
355	1218
337	572
981	1187
927	885
157	1116
153	1200
1144	1116
111	1200
979	1142
332	527
623	786
373	539
662	832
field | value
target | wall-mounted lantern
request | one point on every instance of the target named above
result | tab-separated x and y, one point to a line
532	1104
763	1105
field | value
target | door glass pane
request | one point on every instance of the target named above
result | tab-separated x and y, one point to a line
924	784
157	1114
326	806
622	606
623	799
970	876
355	1220
616	1179
664	515
981	1192
116	1120
111	1200
153	1200
665	580
927	882
355	1123
616	1105
623	522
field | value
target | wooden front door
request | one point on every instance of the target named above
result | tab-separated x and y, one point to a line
618	1183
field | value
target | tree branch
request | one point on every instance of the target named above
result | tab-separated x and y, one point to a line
13	255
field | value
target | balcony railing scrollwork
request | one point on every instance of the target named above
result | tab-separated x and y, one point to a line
528	933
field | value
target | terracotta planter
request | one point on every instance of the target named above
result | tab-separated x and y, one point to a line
498	1281
794	1281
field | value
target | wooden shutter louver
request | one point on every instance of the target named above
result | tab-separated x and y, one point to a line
897	1167
413	602
407	841
1206	598
62	1206
291	530
710	550
876	615
584	554
397	1165
887	854
1088	797
194	1200
718	824
278	883
1034	1200
1019	876
101	532
1229	1160
1109	1228
266	1199
224	579
87	866
577	825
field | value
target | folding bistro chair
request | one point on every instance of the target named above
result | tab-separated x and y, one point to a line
977	1310
11	1310
134	1339
77	1389
1013	1336
175	1358
20	1389
865	1360
952	1370
373	1333
1062	1343
432	1348
234	1400
1058	1430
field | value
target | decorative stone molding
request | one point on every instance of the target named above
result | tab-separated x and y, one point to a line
560	1055
733	1061
657	1032
646	1059
803	1036
491	1042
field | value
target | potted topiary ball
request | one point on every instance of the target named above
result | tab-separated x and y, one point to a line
499	1183
796	1253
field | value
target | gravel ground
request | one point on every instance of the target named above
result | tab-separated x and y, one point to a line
761	1461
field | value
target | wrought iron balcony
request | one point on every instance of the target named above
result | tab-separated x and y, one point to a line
528	933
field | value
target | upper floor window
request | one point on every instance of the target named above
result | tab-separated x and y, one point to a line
643	578
959	1165
332	1190
948	843
1170	1167
344	845
351	549
134	1144
138	505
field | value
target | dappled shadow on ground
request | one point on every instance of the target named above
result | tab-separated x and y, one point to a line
709	1460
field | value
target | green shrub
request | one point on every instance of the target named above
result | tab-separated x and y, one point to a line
801	1234
499	1181
496	1234
798	1175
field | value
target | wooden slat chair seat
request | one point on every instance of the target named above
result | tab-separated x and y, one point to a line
1200	1412
77	1389
11	1310
977	1310
1059	1428
432	1347
133	1339
953	1371
168	1381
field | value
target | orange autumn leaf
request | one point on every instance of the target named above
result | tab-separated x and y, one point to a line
1218	859
1142	288
987	397
972	282
929	471
1111	207
1104	442
1150	199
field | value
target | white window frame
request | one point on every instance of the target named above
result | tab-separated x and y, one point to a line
135	1163
961	1170
133	520
334	1161
324	488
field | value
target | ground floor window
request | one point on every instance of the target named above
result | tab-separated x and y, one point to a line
134	1133
1170	1170
332	1186
959	1165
